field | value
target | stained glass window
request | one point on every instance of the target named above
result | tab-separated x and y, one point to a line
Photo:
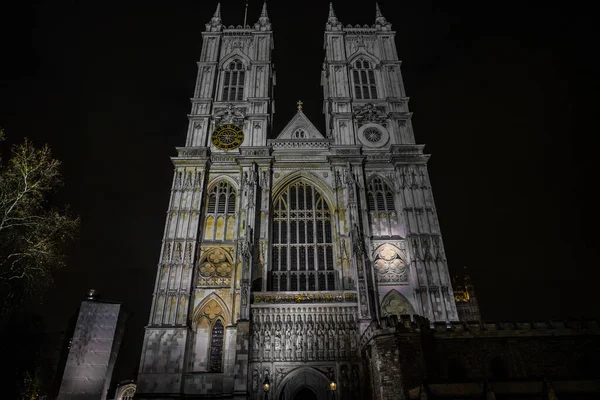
302	254
216	347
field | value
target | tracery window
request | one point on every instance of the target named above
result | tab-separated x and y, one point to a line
380	196
220	212
365	86
302	253
233	81
216	347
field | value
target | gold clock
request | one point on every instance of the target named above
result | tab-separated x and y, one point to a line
228	137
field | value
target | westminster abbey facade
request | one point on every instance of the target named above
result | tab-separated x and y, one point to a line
283	250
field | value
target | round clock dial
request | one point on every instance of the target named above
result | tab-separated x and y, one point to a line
227	137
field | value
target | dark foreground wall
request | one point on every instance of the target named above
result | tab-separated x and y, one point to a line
409	358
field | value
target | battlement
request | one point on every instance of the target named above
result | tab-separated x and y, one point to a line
415	324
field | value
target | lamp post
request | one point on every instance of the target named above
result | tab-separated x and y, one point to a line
266	386
332	388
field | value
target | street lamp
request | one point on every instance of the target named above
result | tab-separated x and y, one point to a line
332	388
266	386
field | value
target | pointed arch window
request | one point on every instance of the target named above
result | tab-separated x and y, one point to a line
302	252
380	197
216	347
233	81
220	213
363	74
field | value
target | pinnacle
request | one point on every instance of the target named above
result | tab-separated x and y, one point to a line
379	18
332	20
264	16
264	10
218	11
378	13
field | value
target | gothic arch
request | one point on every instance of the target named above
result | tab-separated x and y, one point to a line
300	378
218	179
309	178
395	303
362	53
211	309
384	179
236	54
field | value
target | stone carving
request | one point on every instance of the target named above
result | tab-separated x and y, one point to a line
255	380
328	337
230	114
314	297
370	113
215	269
390	264
395	303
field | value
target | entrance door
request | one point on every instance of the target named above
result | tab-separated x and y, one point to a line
305	394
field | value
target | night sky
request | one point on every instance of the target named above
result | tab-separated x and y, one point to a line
504	97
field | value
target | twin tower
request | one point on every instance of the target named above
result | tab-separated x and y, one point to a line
281	248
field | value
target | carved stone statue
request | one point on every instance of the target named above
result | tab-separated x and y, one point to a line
278	348
299	343
267	344
288	343
321	341
256	343
310	339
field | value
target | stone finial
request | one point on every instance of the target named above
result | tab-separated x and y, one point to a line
215	22
264	16
379	18
263	21
332	21
299	104
91	294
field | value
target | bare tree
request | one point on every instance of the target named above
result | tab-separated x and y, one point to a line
33	235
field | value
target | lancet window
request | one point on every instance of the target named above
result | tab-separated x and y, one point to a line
380	196
363	74
302	253
220	213
216	347
382	211
233	81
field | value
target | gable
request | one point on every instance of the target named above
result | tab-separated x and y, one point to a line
300	128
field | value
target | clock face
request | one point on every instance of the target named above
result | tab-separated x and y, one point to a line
228	137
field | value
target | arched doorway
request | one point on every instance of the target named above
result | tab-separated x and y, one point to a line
304	383
305	394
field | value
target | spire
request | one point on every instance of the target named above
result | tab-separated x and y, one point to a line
379	18
215	22
263	21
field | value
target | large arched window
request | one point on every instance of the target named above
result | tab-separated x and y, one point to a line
363	74
220	212
216	347
233	81
380	196
302	255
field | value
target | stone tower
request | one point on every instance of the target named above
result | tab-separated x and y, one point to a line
281	248
196	341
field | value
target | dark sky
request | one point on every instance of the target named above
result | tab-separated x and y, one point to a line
504	95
